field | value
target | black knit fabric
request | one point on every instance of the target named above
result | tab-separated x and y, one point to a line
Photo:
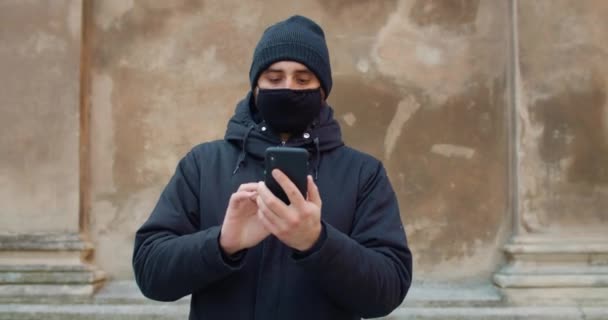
295	39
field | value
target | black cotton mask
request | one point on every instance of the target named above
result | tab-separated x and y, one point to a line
287	110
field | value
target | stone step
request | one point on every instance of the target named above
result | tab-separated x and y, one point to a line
450	295
89	312
420	295
46	266
120	300
37	277
127	292
174	312
552	262
43	242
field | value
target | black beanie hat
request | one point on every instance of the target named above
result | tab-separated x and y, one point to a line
295	39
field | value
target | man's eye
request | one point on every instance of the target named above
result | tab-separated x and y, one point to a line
303	81
274	80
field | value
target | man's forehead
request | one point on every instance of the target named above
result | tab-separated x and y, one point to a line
282	66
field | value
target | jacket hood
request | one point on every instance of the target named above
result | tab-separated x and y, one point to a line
250	133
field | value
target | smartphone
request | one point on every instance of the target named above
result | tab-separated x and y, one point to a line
293	162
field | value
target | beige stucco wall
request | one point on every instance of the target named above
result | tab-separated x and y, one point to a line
475	134
39	115
564	116
420	85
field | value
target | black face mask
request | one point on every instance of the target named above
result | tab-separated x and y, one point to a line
289	111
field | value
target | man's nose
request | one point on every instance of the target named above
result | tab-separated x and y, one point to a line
290	83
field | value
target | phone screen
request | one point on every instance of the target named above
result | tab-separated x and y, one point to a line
293	162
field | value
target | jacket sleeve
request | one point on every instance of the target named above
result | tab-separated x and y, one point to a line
172	257
369	271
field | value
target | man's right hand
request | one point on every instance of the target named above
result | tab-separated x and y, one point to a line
242	228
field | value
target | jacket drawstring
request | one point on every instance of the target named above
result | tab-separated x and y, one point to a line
318	158
243	154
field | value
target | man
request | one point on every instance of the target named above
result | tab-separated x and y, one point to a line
219	234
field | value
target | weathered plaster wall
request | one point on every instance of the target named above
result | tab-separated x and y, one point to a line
433	106
422	85
563	113
419	84
166	76
39	115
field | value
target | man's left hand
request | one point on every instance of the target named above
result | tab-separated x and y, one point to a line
297	225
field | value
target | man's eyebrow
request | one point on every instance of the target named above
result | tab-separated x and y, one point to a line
272	70
300	71
305	71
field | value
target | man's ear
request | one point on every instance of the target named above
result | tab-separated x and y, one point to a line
255	96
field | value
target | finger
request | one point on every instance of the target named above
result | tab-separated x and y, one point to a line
266	223
275	204
254	197
270	215
313	192
292	192
242	195
251	186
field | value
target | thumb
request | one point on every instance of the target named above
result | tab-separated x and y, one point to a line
313	192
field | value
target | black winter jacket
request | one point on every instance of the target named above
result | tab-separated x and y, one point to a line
361	267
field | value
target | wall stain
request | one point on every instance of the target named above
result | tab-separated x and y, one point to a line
574	128
361	17
131	105
143	21
464	197
372	102
446	14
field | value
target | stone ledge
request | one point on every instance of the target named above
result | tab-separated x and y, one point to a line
49	277
43	242
549	280
420	295
501	313
127	292
85	311
174	312
48	293
451	295
122	300
46	267
587	297
548	262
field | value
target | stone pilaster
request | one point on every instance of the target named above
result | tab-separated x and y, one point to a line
559	251
42	205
